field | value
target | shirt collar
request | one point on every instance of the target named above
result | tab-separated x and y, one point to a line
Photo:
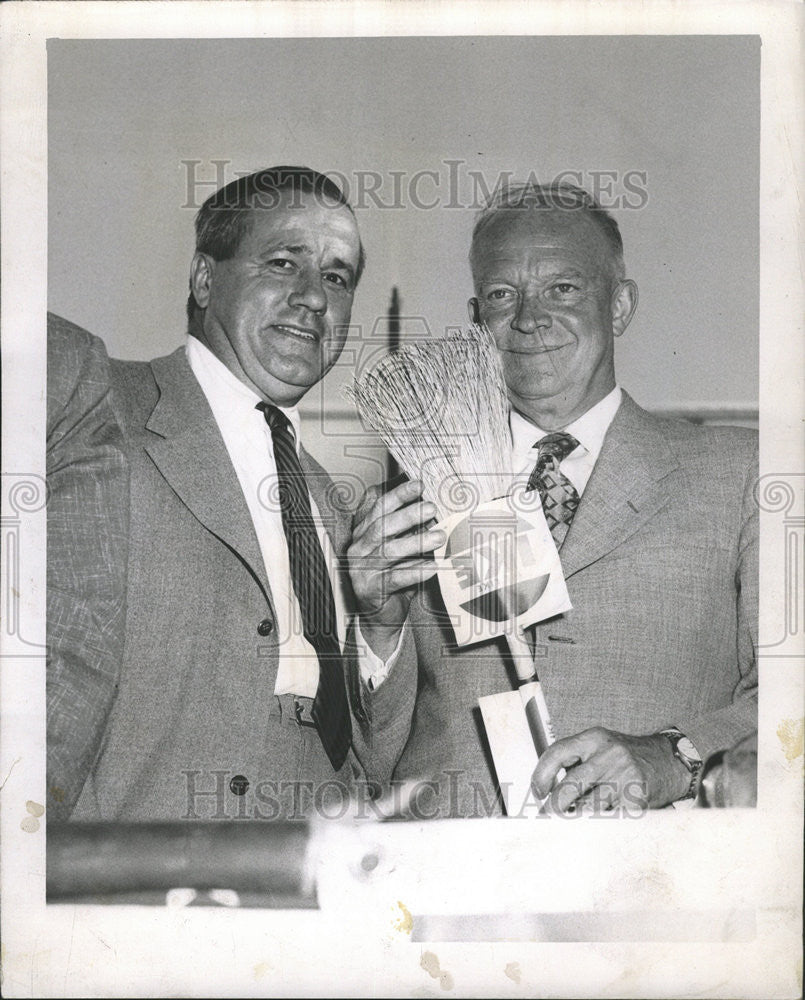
224	390
589	429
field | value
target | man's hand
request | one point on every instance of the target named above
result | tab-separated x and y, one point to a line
608	770
387	560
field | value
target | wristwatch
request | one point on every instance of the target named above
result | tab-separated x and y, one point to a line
687	754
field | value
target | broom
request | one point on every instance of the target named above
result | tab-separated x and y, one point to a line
441	408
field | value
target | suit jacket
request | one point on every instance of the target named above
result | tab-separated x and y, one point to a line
661	564
87	521
196	705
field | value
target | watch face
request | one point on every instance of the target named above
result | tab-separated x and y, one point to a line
687	750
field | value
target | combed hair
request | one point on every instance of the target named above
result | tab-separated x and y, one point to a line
226	217
551	197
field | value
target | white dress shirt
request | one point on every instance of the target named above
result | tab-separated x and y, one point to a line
247	437
589	430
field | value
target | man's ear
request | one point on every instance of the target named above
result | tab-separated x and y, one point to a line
624	304
201	271
472	310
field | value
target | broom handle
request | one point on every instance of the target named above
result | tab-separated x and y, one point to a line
536	710
521	655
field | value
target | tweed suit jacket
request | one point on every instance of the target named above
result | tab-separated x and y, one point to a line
196	704
661	564
87	522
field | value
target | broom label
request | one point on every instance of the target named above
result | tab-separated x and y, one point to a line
499	564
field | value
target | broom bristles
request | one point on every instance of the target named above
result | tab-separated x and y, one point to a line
440	407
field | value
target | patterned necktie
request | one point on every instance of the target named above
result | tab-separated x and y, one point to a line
311	583
559	496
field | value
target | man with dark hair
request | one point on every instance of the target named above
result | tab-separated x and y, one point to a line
655	520
226	216
232	698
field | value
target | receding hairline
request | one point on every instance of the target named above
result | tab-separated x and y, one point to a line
555	197
487	220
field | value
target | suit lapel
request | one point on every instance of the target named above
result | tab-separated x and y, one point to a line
624	491
189	451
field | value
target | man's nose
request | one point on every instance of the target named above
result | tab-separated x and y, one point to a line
531	314
308	291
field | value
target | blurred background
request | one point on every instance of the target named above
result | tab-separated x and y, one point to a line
664	129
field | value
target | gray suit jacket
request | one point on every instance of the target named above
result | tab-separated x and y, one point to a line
196	705
87	521
661	563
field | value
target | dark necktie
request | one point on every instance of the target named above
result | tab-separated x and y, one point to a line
311	583
559	496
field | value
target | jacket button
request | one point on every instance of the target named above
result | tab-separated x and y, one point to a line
266	627
239	784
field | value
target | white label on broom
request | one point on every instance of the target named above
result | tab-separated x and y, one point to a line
499	565
517	725
513	750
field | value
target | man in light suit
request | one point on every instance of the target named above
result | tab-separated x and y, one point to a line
232	699
654	667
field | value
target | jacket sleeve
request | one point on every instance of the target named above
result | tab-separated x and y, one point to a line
724	727
87	522
381	718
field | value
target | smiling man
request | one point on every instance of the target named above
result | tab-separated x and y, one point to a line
232	699
550	287
654	667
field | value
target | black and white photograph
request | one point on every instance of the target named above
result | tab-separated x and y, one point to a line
403	501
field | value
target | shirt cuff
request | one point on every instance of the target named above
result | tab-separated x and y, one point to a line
373	670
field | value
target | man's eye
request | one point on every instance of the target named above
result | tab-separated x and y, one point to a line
497	294
565	288
336	279
281	262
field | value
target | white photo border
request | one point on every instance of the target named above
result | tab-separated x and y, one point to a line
736	861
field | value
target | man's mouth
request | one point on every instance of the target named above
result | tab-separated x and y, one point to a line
300	332
537	350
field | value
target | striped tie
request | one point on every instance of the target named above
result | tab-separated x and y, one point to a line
311	583
558	495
